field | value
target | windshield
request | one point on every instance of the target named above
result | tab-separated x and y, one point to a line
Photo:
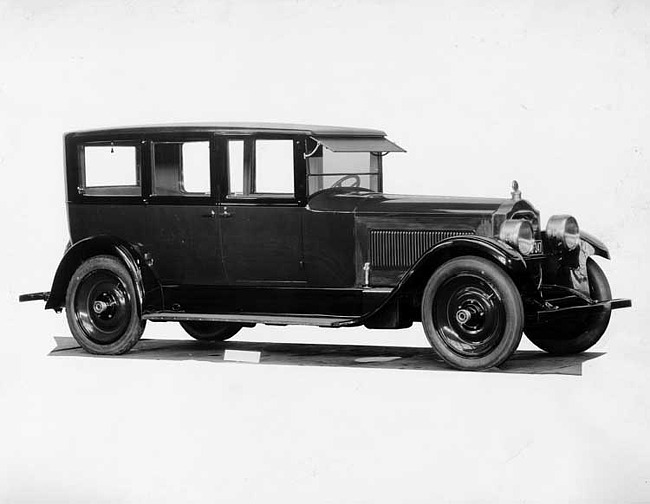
326	169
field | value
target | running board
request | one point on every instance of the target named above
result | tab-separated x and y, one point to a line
252	318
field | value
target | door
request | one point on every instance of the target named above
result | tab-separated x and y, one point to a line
182	228
260	217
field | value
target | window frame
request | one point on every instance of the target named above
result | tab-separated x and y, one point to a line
313	148
180	199
189	194
250	196
77	190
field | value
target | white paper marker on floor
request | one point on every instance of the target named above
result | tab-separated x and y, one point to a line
242	356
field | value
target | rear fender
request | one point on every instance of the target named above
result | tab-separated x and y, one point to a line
147	286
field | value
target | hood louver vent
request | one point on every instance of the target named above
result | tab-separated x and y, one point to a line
392	249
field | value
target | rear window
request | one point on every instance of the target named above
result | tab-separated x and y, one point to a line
110	170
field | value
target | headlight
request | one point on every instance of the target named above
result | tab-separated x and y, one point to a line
518	234
563	232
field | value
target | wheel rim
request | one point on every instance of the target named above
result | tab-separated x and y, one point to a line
102	307
468	315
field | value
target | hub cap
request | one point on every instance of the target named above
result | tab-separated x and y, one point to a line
468	315
102	307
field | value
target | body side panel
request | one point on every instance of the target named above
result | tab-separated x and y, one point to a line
329	249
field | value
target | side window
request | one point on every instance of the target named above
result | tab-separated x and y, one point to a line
236	167
110	170
181	168
273	167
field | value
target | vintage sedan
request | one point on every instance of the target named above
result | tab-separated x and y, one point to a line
224	226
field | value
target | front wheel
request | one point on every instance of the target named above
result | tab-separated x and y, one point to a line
566	337
472	313
101	307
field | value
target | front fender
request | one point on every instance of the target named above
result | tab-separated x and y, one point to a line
599	248
488	248
147	286
414	280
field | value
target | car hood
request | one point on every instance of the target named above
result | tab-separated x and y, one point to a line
367	202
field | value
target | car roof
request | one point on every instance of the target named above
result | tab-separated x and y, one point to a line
234	128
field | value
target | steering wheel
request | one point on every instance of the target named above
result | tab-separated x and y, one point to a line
352	176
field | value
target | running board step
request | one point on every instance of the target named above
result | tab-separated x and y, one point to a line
252	318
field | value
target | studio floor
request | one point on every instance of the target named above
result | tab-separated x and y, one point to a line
305	354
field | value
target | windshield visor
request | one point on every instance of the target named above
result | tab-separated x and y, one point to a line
377	144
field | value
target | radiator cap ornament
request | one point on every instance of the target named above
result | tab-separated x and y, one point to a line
516	193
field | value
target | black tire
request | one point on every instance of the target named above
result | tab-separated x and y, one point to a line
210	331
472	313
566	337
101	307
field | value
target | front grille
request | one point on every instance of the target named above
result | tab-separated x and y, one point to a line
393	249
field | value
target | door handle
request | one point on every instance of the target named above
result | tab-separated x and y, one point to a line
209	215
225	213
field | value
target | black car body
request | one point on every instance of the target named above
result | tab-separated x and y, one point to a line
222	226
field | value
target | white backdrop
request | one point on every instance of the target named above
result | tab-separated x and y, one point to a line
554	94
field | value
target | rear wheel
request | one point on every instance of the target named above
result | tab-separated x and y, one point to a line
210	331
472	313
565	337
101	307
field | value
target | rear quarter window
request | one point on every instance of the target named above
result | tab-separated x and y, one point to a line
110	170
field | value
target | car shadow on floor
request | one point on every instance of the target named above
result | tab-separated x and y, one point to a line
303	354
